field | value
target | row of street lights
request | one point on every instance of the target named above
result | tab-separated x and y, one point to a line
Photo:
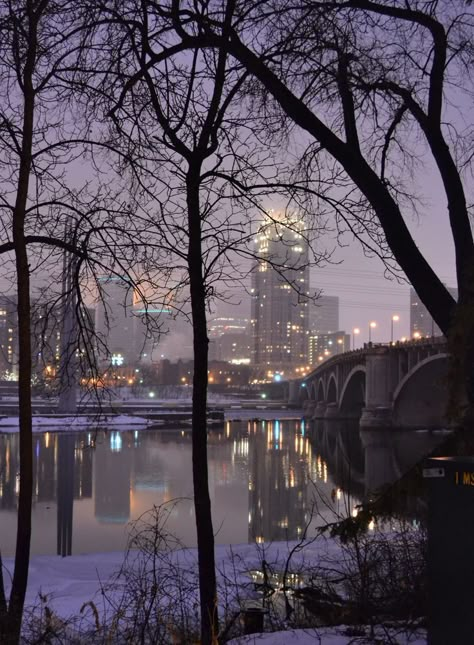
372	325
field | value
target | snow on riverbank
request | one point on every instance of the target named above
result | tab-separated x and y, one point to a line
60	423
341	635
68	583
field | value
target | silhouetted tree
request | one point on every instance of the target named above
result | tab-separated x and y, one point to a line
374	84
42	144
198	172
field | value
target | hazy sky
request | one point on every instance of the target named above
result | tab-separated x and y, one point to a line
365	294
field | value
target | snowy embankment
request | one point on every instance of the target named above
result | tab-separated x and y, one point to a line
69	584
59	423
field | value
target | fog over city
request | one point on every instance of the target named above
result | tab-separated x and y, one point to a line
236	322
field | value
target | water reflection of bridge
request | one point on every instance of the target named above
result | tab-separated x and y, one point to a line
365	461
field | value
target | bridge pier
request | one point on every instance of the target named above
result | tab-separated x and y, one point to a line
378	391
293	391
319	410
308	408
332	411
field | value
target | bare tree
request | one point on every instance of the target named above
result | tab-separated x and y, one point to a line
198	171
361	78
43	143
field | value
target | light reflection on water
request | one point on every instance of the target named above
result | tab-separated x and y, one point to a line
269	480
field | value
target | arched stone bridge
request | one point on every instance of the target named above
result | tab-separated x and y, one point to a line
402	385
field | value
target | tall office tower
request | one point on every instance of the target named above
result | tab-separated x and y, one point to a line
8	336
324	315
280	291
421	322
115	321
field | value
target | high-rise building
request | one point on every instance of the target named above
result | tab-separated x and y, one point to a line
8	336
115	320
280	293
324	315
323	346
421	321
230	339
46	330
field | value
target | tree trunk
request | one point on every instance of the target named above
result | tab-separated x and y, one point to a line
11	619
11	622
202	502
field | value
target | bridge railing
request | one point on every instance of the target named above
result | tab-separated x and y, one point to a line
438	341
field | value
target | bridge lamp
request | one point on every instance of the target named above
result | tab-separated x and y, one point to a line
395	318
417	335
372	325
355	332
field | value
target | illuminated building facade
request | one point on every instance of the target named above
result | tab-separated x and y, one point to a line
8	336
46	325
323	346
229	339
421	322
280	291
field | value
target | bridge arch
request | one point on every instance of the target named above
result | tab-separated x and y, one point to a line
320	396
331	394
421	397
352	398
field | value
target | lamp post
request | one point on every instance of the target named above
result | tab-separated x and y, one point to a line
395	318
355	332
372	325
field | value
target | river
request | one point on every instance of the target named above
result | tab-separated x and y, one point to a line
269	480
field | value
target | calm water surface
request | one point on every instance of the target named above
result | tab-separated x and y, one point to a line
267	480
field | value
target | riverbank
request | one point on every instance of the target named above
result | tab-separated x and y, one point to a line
83	591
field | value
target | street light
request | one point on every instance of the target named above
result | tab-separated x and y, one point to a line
355	332
395	318
372	325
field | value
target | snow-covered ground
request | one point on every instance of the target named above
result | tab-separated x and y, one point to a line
60	423
66	584
342	635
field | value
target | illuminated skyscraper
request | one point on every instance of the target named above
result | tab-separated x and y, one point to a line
8	335
280	291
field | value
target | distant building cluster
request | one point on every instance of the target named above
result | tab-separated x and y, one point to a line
287	333
291	331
